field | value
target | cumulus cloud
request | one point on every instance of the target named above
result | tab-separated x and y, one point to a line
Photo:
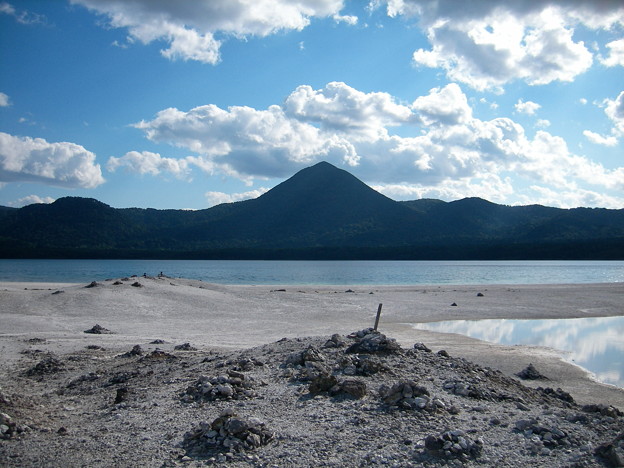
4	100
489	186
527	107
443	106
146	162
614	109
25	159
31	199
349	19
248	141
216	198
339	107
451	154
616	54
487	44
537	194
190	28
598	139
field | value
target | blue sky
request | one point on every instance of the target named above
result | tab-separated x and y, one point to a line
188	104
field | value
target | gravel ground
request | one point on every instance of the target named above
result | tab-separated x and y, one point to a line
340	400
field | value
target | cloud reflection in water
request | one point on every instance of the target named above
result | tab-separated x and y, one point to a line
597	344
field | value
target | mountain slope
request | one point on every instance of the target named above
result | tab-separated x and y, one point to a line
70	222
320	205
320	212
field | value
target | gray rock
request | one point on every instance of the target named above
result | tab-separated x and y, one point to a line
335	341
406	394
531	373
322	383
421	347
453	444
350	387
541	436
373	342
184	347
227	434
135	351
362	364
8	427
98	330
311	354
466	390
604	410
47	365
611	454
236	425
234	386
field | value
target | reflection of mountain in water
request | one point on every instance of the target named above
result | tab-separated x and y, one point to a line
597	344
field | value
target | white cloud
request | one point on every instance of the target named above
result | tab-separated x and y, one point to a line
451	155
349	19
188	44
21	16
616	54
216	198
542	123
488	186
247	141
146	162
339	107
4	100
190	27
574	198
598	139
31	199
492	105
527	107
614	109
487	44
443	106
25	159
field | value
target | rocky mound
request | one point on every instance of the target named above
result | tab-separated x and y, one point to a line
227	433
351	401
233	386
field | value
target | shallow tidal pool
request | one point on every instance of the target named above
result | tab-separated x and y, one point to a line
596	344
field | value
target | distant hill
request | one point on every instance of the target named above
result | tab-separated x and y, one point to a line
321	212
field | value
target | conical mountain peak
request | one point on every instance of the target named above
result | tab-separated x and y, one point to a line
324	187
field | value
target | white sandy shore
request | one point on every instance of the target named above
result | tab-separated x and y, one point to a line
232	316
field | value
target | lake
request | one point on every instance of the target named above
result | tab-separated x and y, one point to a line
321	272
596	344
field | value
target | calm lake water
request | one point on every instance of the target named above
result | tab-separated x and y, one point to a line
321	272
596	344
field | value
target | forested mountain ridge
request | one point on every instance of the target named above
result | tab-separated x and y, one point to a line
320	212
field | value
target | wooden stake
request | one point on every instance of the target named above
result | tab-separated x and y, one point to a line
378	315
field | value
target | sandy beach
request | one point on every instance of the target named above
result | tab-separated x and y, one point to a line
51	319
233	316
